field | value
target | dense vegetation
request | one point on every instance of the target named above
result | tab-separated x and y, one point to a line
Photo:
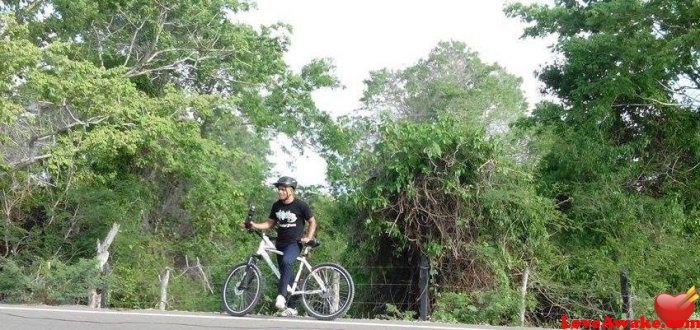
159	117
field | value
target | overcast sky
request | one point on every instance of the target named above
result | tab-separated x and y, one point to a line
362	36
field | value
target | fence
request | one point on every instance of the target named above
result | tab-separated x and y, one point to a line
198	287
380	292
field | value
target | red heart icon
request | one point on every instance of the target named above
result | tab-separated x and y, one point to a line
673	308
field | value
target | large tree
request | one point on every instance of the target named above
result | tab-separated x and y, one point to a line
622	147
429	176
155	115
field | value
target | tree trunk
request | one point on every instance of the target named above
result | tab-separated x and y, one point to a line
95	296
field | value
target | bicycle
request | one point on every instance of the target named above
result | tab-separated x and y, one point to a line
330	283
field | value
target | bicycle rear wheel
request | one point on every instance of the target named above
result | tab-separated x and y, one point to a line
328	291
242	289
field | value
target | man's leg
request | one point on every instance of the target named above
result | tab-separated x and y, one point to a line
292	300
285	262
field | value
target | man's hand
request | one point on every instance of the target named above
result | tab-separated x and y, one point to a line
305	240
258	225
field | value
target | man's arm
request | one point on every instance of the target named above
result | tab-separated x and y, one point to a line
269	223
310	232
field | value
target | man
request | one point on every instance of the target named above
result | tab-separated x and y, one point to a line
289	214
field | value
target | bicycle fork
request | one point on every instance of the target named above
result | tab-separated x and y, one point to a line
252	260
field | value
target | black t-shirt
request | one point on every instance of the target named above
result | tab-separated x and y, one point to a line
290	219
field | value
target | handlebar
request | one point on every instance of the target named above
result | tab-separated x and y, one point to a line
251	212
313	243
249	218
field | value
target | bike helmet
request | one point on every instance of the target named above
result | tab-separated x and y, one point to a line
286	182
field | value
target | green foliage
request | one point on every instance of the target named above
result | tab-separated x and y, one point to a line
452	81
432	174
394	313
618	153
157	118
48	281
492	307
453	307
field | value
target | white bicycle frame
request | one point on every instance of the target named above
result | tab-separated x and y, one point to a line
267	246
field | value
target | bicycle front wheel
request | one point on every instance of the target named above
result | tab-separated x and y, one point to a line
242	289
327	291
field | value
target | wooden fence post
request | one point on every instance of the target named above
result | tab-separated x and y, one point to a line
424	279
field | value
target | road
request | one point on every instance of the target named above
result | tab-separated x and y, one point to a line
23	317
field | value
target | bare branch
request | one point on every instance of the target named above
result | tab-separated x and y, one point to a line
171	66
20	13
148	58
26	162
91	121
204	277
133	41
157	53
161	23
661	102
100	49
692	168
32	4
168	67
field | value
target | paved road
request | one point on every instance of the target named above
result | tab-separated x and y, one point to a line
21	317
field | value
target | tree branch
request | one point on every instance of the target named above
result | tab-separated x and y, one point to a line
660	102
32	4
28	161
91	121
20	12
100	49
148	58
133	41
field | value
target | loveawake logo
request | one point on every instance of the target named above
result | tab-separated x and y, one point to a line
676	308
674	312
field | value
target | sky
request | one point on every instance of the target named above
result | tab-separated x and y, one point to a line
361	36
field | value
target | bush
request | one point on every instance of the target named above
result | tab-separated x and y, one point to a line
492	307
48	281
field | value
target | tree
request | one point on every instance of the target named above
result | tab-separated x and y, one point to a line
452	81
153	115
431	177
621	145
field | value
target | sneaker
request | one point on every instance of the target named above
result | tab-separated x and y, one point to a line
280	302
289	312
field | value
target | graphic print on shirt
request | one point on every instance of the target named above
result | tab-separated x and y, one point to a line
286	219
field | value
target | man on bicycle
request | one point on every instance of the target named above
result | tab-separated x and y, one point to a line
289	214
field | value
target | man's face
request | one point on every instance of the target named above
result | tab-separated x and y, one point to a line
283	192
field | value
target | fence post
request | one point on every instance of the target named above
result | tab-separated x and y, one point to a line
164	278
523	295
424	278
625	291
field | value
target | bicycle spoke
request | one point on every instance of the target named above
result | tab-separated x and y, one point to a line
327	291
241	291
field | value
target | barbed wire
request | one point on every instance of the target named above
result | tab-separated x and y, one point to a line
552	298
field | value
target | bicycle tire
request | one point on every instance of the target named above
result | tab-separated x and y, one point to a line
343	309
229	285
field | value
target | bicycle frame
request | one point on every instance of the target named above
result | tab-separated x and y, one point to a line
266	246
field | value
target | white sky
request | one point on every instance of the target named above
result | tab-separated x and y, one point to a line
366	35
